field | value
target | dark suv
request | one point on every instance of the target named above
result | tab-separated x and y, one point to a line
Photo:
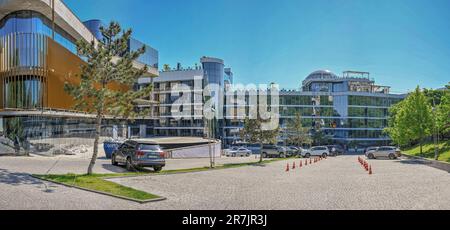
139	153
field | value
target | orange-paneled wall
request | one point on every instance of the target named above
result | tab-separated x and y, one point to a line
64	66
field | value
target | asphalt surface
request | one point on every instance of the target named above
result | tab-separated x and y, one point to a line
336	183
69	164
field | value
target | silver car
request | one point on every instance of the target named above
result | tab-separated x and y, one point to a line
384	152
238	152
273	151
316	151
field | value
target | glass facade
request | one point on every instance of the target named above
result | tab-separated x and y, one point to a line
50	135
94	27
23	62
31	22
372	101
150	57
345	114
25	92
214	72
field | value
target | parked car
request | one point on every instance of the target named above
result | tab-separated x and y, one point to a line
316	151
139	153
370	149
228	152
293	151
385	151
273	151
335	150
238	152
255	148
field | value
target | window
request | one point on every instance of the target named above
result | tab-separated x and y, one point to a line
148	147
25	92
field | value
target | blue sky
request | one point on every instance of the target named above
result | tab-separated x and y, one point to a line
401	43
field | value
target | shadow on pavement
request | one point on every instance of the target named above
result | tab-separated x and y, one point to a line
113	169
17	179
352	154
413	162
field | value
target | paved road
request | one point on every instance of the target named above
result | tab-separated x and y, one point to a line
337	183
67	164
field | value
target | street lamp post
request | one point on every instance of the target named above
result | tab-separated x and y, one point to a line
210	137
435	133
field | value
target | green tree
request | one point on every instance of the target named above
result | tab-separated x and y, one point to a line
411	119
396	131
296	133
443	114
320	138
434	96
254	132
108	61
166	67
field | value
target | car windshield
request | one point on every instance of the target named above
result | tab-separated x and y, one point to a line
148	147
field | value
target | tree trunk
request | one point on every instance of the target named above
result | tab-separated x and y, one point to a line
261	153
98	127
421	148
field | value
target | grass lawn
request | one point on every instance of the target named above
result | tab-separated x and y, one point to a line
97	182
428	151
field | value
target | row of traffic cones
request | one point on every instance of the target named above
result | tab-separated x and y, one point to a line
311	161
366	165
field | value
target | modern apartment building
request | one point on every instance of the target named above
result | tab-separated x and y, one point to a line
350	109
180	93
37	55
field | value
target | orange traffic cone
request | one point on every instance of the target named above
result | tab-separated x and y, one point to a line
301	164
293	165
306	162
370	170
310	161
287	167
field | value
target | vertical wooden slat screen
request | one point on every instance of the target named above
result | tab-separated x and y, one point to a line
22	62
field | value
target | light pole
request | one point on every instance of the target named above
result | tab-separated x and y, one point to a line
435	133
210	136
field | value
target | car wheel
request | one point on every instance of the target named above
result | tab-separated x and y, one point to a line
113	160
264	155
129	165
371	156
324	155
282	155
157	168
248	155
307	155
392	156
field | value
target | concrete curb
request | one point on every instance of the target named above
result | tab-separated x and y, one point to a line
103	193
432	163
174	173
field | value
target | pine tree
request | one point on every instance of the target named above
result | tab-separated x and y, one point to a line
255	133
108	62
296	133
